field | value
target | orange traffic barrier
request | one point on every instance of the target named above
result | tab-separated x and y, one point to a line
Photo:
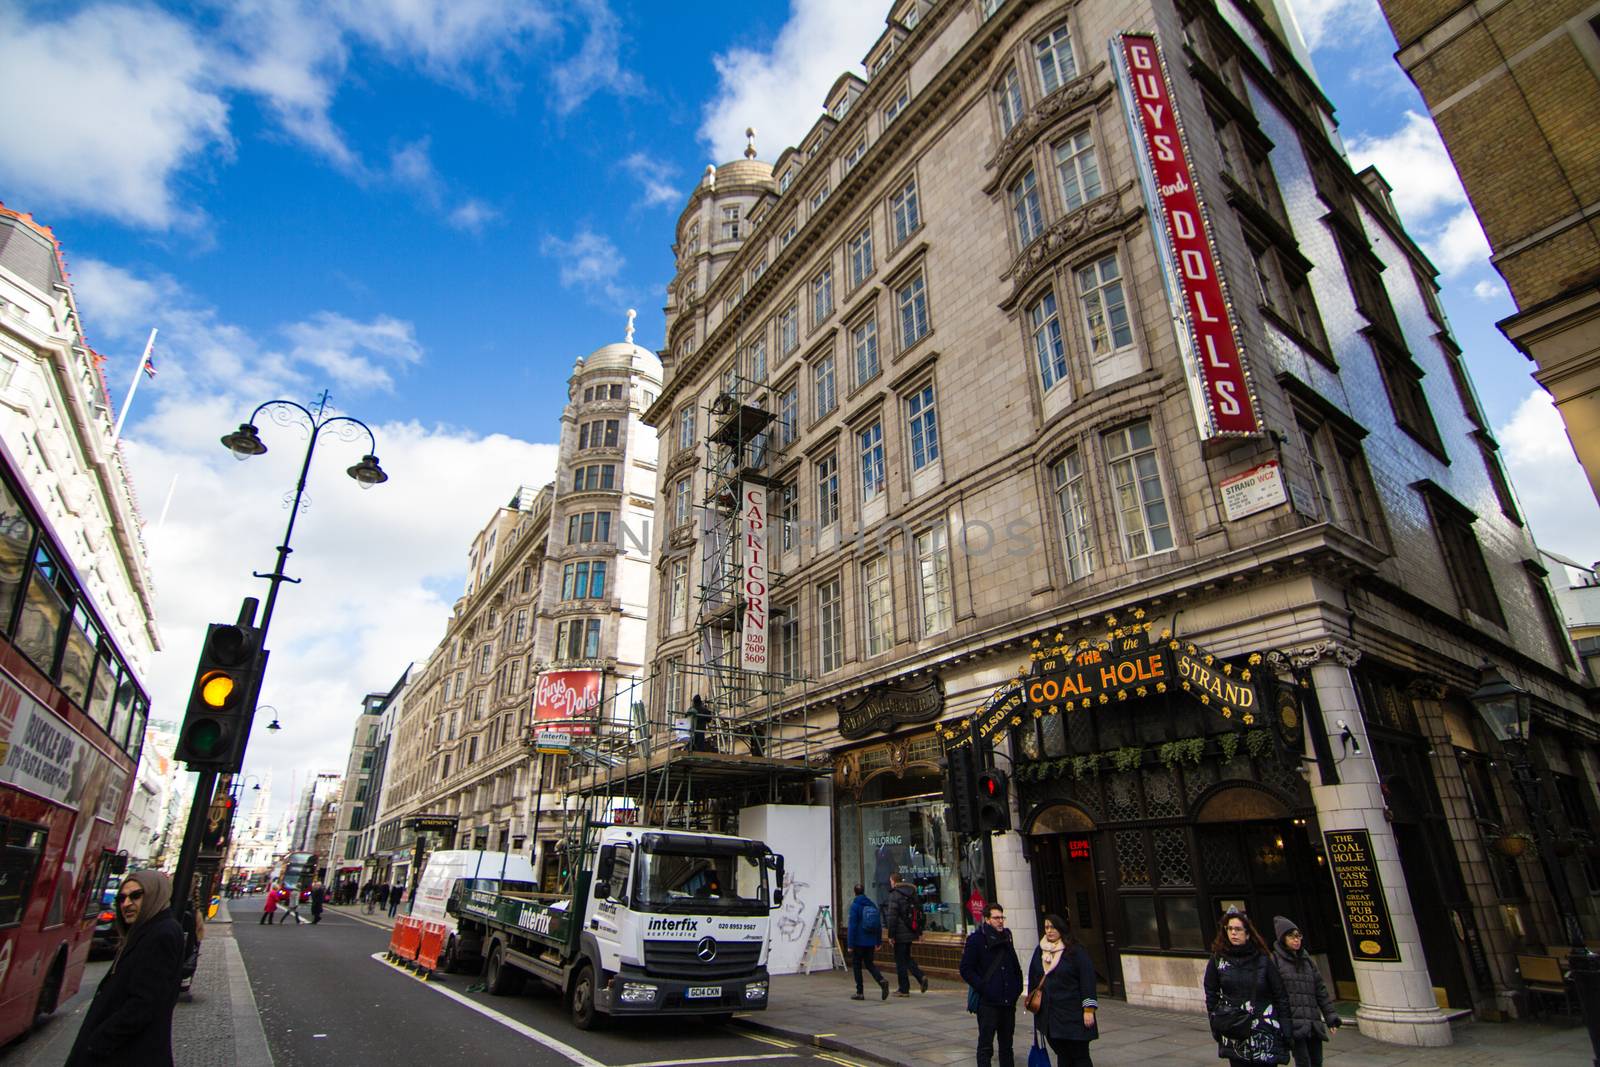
403	939
430	944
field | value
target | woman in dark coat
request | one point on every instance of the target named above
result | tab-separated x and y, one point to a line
1245	998
1067	1008
1312	1018
129	1022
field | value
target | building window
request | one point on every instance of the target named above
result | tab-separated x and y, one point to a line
860	255
1072	499
870	442
912	300
1105	311
788	415
1403	380
933	580
899	104
825	390
578	639
1079	169
1463	556
595	476
599	434
678	590
1026	210
686	429
788	658
852	157
821	296
864	343
827	491
1497	477
589	526
1008	99
789	329
1054	54
923	417
879	605
1048	347
583	581
830	626
819	197
1284	290
905	211
756	360
789	514
758	270
1141	499
485	659
520	631
730	223
1539	586
1321	477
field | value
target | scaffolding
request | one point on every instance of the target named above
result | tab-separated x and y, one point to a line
744	738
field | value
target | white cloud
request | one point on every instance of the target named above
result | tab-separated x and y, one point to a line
779	89
1488	289
1336	23
1458	245
472	215
655	176
597	65
380	569
355	354
588	261
107	107
1551	485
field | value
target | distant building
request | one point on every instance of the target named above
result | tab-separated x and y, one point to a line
1577	590
1521	81
362	776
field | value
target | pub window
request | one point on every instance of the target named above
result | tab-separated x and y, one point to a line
1463	556
1403	380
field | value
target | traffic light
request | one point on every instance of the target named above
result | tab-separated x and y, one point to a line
994	802
961	811
216	726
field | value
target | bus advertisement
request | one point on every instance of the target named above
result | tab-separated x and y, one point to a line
72	720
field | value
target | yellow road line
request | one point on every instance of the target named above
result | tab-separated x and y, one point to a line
775	1042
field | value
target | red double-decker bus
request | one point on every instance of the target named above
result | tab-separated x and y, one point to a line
72	719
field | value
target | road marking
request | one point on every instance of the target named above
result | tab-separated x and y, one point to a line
715	1059
581	1058
839	1060
777	1042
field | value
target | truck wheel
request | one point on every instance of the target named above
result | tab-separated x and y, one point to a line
584	1016
448	962
502	979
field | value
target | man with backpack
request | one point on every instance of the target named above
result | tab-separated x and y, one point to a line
902	918
865	931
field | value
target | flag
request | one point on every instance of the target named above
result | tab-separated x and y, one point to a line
150	364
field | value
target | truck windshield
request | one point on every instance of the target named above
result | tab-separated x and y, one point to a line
714	884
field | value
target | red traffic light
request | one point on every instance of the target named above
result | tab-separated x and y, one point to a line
992	784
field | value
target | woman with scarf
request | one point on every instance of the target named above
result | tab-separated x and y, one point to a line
129	1022
1061	993
1245	999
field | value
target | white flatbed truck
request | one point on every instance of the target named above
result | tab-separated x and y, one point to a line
660	922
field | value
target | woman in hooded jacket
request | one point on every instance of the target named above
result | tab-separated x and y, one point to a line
1064	974
1311	1014
1245	999
129	1022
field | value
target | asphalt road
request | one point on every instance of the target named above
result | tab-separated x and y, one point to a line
324	998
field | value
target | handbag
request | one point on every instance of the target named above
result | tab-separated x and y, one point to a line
1037	1056
1035	999
973	1000
1235	1018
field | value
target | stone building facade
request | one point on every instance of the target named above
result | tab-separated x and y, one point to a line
992	441
1524	77
557	581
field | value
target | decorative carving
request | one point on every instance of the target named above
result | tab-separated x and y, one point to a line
1310	655
681	536
1067	98
847	773
1427	687
899	752
885	707
1099	216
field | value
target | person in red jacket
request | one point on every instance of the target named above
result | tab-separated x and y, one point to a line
270	908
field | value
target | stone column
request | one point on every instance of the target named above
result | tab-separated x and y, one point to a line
1397	1002
1013	882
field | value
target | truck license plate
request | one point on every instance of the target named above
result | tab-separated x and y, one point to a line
700	992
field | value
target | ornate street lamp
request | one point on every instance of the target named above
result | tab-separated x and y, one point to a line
1507	709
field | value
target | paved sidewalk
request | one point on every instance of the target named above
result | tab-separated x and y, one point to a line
931	1029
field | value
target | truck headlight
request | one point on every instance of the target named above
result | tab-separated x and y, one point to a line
755	991
638	993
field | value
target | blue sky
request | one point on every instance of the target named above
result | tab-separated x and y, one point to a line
431	208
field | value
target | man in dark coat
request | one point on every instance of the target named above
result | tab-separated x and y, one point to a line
396	893
319	897
989	965
864	932
897	921
1312	1019
129	1022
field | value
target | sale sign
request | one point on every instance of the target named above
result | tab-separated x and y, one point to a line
1216	357
567	701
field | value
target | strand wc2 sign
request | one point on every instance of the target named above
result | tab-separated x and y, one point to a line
1216	361
564	696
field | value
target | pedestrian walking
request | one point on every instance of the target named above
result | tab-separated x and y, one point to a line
902	920
319	896
129	1021
993	974
269	907
367	892
396	893
1311	1021
1245	998
291	897
193	923
864	931
1061	994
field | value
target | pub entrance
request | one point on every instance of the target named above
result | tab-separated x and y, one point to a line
1066	882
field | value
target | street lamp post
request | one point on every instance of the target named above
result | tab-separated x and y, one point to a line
1507	709
244	443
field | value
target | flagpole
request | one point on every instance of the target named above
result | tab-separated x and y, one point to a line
138	372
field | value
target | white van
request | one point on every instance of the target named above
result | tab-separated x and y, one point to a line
493	871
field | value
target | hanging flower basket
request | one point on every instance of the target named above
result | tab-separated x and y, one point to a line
1511	845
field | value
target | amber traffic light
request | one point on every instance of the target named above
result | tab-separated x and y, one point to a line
216	726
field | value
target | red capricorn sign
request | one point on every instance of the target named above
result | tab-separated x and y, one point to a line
1216	355
753	584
